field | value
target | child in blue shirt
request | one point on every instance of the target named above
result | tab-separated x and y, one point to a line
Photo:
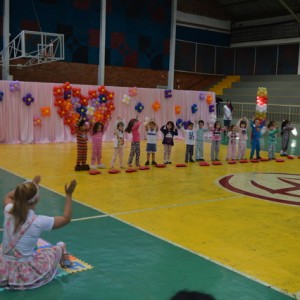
256	126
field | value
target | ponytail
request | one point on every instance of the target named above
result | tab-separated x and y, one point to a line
24	194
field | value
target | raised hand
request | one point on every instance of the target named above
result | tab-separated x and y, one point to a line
69	189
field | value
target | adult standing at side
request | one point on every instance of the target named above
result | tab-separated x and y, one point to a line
227	115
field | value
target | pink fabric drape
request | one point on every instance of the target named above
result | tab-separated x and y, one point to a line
16	119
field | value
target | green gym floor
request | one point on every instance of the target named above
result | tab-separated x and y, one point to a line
152	233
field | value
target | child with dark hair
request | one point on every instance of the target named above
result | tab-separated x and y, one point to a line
135	149
82	129
199	141
256	126
151	131
232	143
242	126
97	138
216	140
190	138
169	131
118	142
286	128
272	130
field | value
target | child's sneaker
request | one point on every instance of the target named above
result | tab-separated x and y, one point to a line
147	163
93	167
101	166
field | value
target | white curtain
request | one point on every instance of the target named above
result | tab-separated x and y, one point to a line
16	118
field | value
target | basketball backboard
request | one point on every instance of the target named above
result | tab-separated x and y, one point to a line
33	48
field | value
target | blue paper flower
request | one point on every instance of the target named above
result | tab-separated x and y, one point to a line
102	98
82	110
28	99
179	123
67	95
1	96
168	94
211	108
194	108
139	107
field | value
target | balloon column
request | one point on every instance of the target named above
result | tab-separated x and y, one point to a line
261	103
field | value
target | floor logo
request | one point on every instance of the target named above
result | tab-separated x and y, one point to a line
278	187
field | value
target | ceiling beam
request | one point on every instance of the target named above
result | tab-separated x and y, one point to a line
290	10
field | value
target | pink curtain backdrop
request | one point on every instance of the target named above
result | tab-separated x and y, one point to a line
16	119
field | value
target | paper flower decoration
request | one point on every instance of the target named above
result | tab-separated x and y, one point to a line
76	92
126	99
92	94
168	94
156	106
202	96
90	110
177	109
67	86
1	96
209	99
84	101
211	108
102	89
46	111
194	108
37	122
28	99
139	107
102	98
133	91
67	94
58	91
14	86
179	123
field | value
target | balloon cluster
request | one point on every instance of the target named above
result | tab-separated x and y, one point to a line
14	86
71	104
139	107
209	99
202	96
168	94
28	99
211	108
261	103
126	99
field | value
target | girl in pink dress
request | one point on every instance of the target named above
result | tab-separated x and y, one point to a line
97	138
20	266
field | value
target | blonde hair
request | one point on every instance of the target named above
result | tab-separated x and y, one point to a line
24	195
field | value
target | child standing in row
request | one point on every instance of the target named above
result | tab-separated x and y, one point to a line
286	128
216	140
190	138
242	126
272	139
232	143
119	142
169	131
97	138
199	141
135	149
255	137
82	130
151	130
